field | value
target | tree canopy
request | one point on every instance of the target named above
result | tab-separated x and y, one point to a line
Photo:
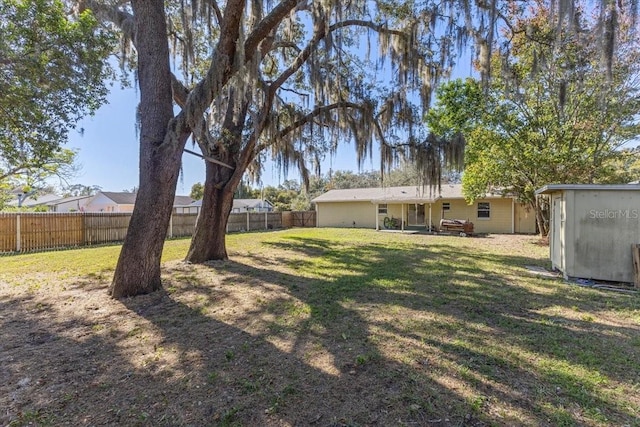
53	73
550	113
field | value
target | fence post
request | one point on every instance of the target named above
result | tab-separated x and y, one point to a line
266	220
247	220
171	226
18	242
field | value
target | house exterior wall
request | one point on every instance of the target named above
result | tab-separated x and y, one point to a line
525	219
186	209
363	213
600	227
70	206
500	214
345	214
101	203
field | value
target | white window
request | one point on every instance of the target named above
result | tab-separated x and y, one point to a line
382	209
484	210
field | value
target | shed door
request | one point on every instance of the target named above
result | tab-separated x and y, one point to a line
556	234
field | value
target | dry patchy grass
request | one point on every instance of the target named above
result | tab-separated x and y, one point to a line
318	327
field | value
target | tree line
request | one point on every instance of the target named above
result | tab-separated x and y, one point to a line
292	195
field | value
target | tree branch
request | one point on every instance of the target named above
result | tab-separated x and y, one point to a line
321	34
216	9
306	119
110	13
264	27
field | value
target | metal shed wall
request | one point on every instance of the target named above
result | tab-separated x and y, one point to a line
592	230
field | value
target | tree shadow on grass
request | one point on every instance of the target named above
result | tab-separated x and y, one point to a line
555	356
154	360
359	335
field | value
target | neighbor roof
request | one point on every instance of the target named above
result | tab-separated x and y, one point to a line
66	200
36	200
120	198
130	198
410	194
242	203
250	203
552	188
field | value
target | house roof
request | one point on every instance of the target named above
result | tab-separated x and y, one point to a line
130	198
120	198
66	200
552	188
41	199
410	194
241	203
182	201
250	203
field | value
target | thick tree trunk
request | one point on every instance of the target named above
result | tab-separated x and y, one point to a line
138	268
209	240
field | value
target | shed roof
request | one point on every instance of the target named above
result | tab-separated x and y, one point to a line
409	194
553	188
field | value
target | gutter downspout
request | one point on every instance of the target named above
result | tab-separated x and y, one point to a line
377	218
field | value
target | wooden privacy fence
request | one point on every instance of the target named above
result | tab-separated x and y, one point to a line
23	232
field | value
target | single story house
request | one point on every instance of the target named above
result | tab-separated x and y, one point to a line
593	228
69	204
106	201
421	207
239	206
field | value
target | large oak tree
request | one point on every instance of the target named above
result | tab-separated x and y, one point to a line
234	106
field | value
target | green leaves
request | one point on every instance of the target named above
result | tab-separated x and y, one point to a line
53	73
549	115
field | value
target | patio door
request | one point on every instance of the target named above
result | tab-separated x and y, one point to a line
416	214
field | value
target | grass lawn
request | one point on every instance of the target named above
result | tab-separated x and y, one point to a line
319	327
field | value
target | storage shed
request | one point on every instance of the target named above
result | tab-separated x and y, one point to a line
593	228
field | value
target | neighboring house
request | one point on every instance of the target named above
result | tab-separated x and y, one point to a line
251	205
239	205
592	229
106	201
32	201
69	204
421	207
